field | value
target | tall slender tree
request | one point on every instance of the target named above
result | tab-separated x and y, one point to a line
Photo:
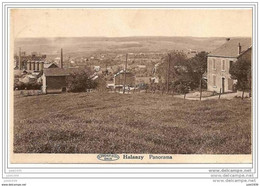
241	71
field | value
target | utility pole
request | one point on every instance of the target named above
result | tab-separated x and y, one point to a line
125	74
200	87
168	72
61	58
20	63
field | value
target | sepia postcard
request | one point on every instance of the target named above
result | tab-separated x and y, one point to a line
131	86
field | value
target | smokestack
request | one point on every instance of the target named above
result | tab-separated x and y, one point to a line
239	48
20	65
61	58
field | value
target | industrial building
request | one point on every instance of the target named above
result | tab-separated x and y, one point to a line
33	62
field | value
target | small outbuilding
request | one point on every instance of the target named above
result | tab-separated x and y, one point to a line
54	80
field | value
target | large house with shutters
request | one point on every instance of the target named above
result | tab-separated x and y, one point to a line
220	60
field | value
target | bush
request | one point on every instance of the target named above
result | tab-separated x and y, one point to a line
80	81
28	86
33	86
241	71
101	84
143	86
181	86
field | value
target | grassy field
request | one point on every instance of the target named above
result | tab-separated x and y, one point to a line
139	123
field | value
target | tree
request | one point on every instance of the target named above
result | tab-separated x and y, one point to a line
80	81
241	71
171	67
182	86
196	67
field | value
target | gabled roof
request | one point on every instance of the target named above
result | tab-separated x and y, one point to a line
50	65
230	48
242	53
59	71
55	72
122	72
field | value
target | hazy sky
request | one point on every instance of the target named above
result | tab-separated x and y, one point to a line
131	22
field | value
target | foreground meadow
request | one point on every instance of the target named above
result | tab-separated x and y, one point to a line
137	123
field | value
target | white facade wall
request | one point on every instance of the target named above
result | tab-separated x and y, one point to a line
216	73
44	84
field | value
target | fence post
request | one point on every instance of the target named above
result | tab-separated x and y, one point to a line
200	88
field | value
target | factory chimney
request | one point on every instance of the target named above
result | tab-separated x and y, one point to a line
61	58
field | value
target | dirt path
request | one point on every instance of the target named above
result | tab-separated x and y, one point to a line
223	96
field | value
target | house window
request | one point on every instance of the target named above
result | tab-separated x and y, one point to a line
223	65
214	80
214	64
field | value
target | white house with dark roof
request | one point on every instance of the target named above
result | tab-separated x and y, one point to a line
220	60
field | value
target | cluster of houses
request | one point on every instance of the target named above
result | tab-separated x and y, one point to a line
53	76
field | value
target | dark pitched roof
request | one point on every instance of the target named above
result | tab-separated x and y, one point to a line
122	72
242	53
230	48
59	71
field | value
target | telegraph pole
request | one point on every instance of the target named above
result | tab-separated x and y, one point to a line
200	87
20	63
168	72
125	74
61	58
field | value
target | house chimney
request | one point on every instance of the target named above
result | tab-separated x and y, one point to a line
239	48
61	58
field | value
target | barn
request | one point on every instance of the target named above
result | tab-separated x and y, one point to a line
54	80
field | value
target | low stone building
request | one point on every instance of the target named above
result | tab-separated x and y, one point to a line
54	80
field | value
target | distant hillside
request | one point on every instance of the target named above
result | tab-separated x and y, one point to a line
78	46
